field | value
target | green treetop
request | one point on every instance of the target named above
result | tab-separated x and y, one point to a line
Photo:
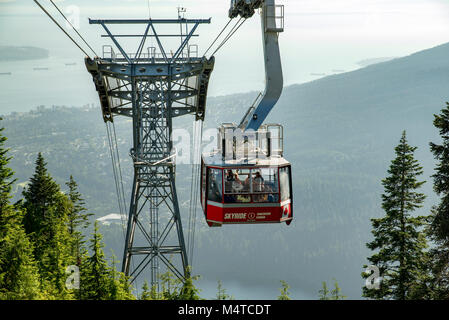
77	218
45	221
285	294
98	280
398	239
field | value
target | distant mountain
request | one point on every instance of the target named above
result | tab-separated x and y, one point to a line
340	132
10	53
367	62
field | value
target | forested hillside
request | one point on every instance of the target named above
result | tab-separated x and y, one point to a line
339	136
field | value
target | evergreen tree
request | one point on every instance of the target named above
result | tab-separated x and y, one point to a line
221	292
45	221
55	259
439	219
6	173
169	286
398	237
82	263
19	277
324	291
95	280
188	290
285	295
146	293
40	194
173	288
124	287
150	294
119	286
98	280
44	207
77	217
334	294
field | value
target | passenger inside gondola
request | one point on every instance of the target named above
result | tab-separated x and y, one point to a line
229	175
245	185
258	182
265	185
215	185
241	185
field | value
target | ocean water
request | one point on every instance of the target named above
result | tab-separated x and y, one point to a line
65	81
60	84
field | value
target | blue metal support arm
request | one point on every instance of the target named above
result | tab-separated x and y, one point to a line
270	19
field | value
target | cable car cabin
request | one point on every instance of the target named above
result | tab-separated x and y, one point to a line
253	188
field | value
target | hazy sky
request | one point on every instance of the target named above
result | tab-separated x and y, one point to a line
320	36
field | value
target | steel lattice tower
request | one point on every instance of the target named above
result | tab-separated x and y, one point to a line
152	87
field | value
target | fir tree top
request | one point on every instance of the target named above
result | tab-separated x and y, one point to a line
77	216
42	189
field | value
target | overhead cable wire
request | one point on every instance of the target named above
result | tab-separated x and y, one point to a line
232	32
229	33
119	168
114	171
68	21
195	205
62	29
194	191
189	239
221	32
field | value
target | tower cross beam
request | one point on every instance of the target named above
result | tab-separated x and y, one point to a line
153	21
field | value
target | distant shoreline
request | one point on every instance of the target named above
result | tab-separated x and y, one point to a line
368	62
11	53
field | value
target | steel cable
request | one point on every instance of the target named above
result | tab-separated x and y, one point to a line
74	28
221	32
114	171
62	29
231	33
119	168
194	188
